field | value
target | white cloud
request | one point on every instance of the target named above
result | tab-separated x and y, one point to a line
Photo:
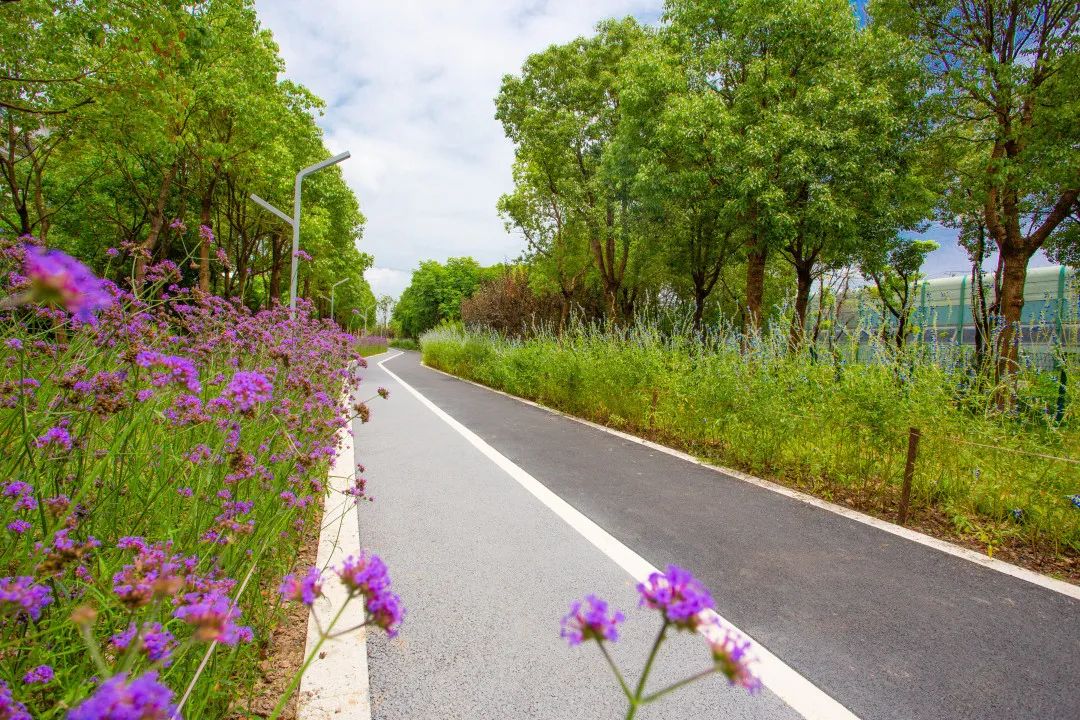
410	90
387	281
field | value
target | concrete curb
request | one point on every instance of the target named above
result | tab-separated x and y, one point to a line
1021	573
336	684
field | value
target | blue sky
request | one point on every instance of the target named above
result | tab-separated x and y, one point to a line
410	89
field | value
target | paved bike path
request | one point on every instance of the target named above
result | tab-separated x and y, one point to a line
888	627
486	572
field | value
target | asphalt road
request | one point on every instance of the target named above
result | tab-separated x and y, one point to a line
887	627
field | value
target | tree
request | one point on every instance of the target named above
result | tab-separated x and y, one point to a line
435	293
818	117
665	141
1006	76
561	114
557	243
895	272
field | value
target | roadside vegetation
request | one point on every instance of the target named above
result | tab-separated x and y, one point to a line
166	425
165	457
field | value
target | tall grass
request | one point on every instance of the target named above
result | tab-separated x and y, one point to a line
822	422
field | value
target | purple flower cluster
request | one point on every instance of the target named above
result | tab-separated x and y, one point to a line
41	675
247	389
678	595
140	451
156	571
176	369
23	595
214	617
367	575
731	652
143	698
588	619
10	708
305	589
156	642
55	436
56	277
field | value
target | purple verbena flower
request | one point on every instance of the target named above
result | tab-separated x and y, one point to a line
143	698
56	277
58	436
731	653
156	642
18	526
10	708
214	617
41	675
14	343
24	596
304	589
368	575
678	595
155	570
177	369
588	619
247	389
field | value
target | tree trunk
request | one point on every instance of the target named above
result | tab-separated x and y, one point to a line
804	284
700	296
157	222
1010	305
755	284
274	293
206	204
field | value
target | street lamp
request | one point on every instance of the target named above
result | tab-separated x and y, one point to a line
367	309
294	221
332	288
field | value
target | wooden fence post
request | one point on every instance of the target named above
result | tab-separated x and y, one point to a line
909	474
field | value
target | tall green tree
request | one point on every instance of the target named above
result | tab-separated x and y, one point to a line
666	140
562	113
894	270
1007	73
815	114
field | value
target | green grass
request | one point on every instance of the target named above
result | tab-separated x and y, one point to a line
836	428
404	344
369	350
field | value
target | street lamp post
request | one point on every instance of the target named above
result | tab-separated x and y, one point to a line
367	309
294	221
332	289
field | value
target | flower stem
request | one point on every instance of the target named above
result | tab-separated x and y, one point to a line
635	699
615	669
295	682
693	678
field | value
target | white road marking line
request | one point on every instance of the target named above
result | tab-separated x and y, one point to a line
799	693
1021	573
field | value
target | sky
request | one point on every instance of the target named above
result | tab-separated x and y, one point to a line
410	87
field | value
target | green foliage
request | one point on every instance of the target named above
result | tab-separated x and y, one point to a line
836	428
435	293
118	118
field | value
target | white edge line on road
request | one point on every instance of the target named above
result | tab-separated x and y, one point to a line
335	686
799	693
1021	573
